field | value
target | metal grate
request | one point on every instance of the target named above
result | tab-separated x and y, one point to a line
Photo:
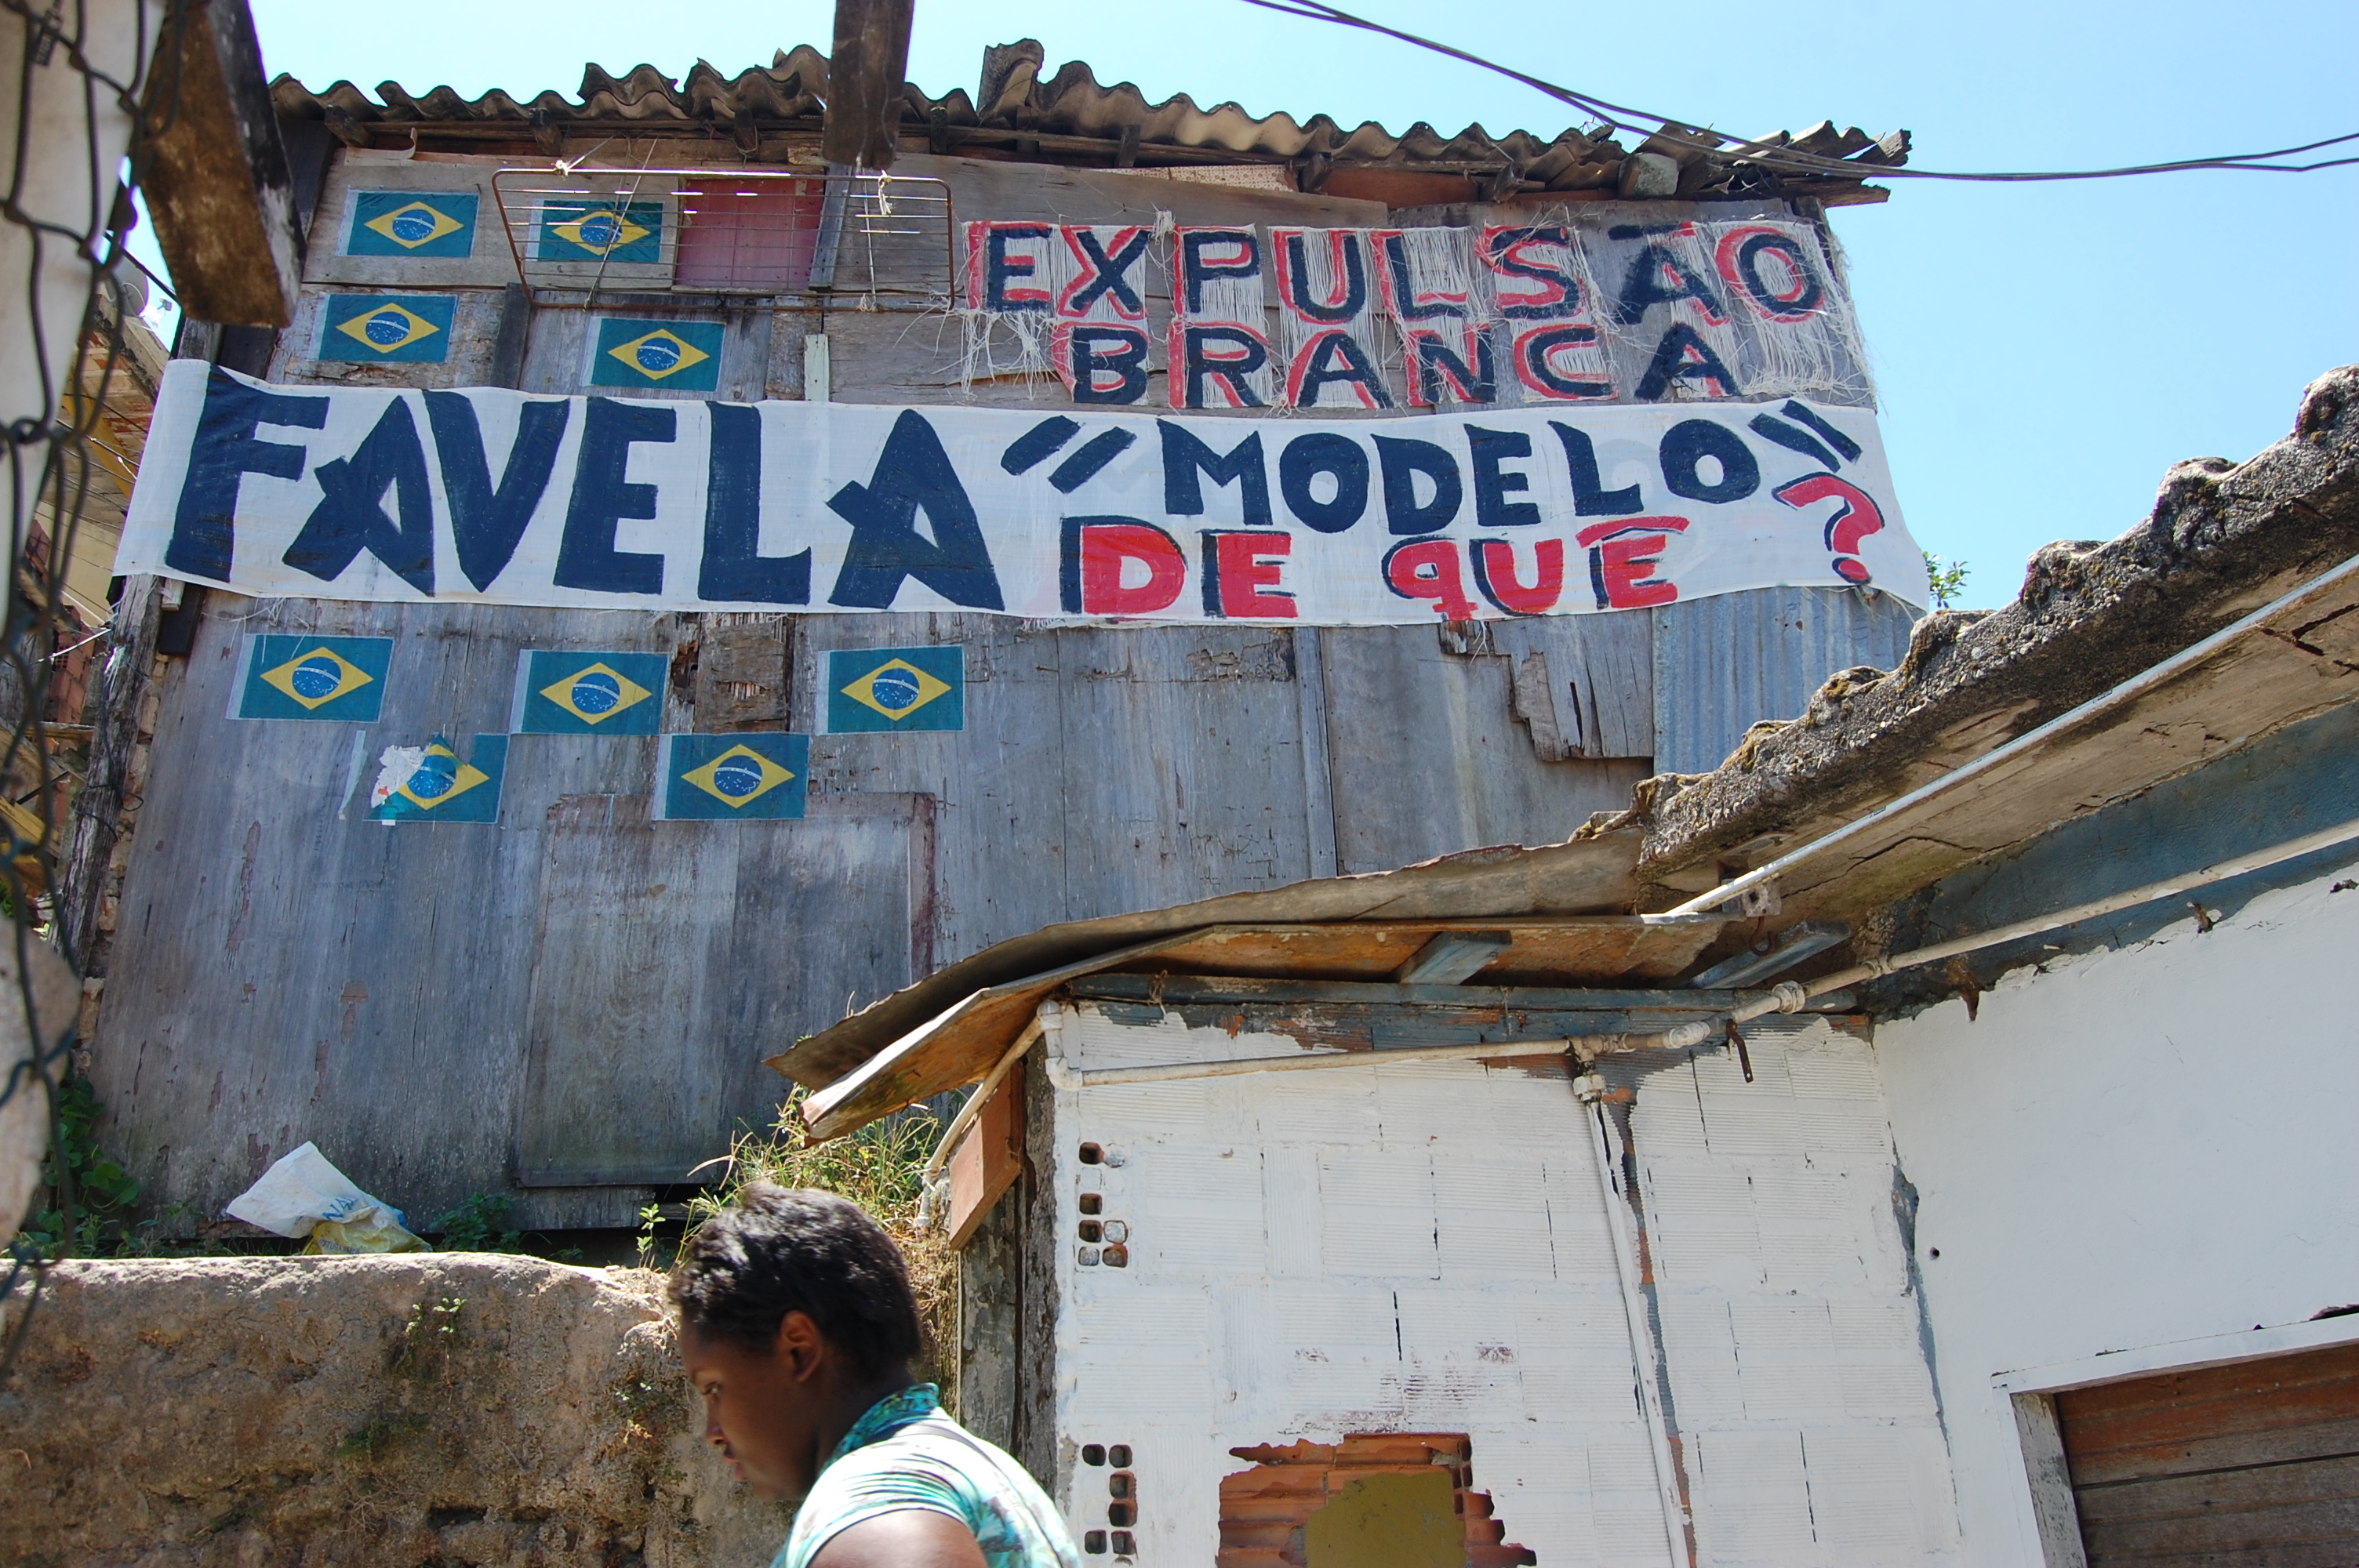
579	232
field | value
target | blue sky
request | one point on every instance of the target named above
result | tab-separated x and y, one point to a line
2043	351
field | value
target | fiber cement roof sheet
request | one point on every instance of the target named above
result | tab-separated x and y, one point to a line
2224	540
1073	104
1491	887
961	1043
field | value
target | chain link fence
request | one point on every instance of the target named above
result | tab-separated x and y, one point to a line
86	87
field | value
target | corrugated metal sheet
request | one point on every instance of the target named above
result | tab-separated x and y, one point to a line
1726	662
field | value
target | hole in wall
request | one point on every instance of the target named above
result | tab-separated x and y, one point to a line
1122	1491
1117	1257
1092	1230
1401	1499
1092	1203
1091	1154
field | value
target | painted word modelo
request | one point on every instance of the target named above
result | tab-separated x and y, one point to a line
494	496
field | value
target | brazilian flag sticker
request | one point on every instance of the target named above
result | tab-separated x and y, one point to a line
431	784
438	223
337	680
870	689
387	328
587	694
589	230
722	778
681	355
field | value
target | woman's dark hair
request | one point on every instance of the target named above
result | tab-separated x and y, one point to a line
776	1250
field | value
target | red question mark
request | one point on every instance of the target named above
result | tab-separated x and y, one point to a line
1854	520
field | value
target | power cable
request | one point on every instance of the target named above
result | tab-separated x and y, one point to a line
1769	155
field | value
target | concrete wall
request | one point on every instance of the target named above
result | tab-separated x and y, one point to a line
361	1411
1425	1247
2134	1147
1790	1320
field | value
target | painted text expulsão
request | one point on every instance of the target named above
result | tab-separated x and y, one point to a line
495	496
1538	313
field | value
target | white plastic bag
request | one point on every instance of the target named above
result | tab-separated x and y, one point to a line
302	1194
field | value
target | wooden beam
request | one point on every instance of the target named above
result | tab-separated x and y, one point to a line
1383	1026
865	75
1199	989
830	231
1788	948
217	180
1375	1017
2053	1503
1452	957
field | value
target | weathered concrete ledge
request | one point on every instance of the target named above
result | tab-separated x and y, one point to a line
2223	540
440	1409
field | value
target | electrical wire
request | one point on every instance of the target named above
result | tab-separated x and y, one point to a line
1614	117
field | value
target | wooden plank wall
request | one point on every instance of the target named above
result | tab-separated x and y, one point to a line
577	999
2257	1463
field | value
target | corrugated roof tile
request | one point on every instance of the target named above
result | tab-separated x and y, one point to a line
1072	103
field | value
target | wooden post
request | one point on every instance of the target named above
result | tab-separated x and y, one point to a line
990	1305
217	180
2051	1481
515	335
1034	1425
1317	770
89	866
986	1162
864	82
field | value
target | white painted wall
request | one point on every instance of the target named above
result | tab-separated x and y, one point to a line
1424	1246
2136	1147
1797	1367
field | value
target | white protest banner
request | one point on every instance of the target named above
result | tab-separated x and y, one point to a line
1552	310
489	496
1327	318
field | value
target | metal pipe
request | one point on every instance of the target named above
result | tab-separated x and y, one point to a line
1644	1357
1580	1045
2112	903
2097	706
1170	1072
1787	995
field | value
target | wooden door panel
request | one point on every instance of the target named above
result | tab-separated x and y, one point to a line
2256	1462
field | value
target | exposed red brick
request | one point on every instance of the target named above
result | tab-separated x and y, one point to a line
1272	1453
1264	1511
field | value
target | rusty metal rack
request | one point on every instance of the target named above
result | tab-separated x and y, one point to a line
578	233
